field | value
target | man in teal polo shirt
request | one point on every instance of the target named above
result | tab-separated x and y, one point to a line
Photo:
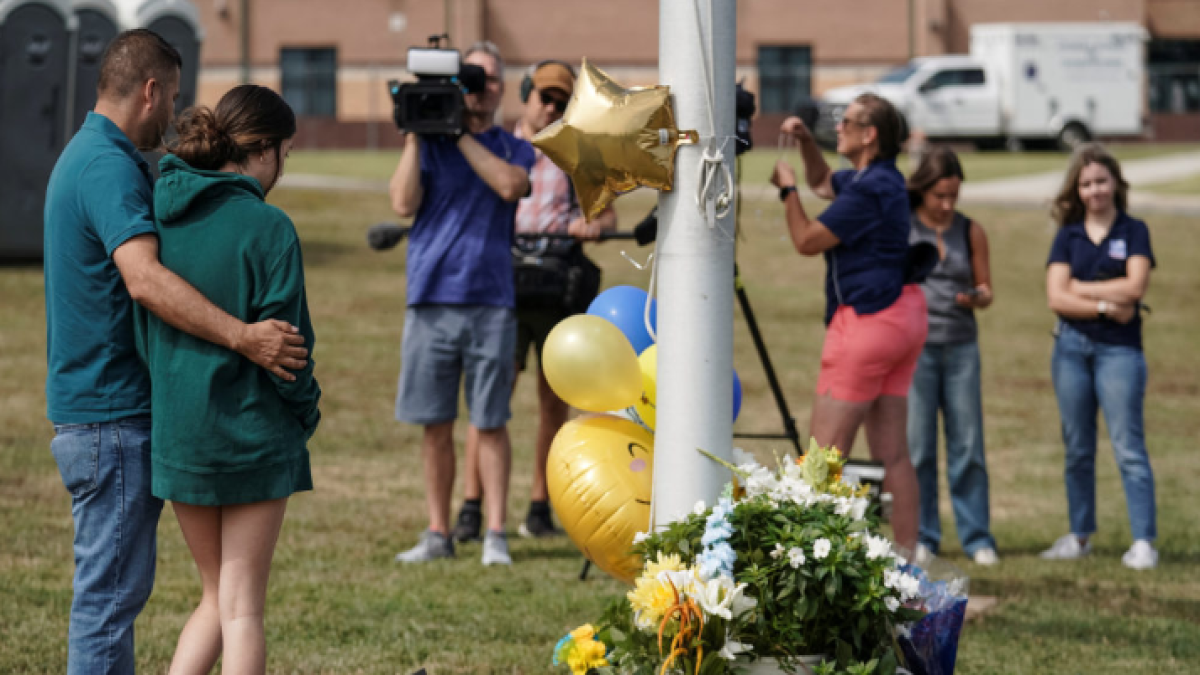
101	254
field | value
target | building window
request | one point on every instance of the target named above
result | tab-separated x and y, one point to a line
784	78
309	78
1174	75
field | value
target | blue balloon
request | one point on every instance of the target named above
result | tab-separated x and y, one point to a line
625	308
737	396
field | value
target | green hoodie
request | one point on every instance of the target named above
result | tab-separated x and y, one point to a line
224	430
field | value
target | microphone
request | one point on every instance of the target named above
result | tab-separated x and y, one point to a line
383	236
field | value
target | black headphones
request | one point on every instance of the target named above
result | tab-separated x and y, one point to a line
527	81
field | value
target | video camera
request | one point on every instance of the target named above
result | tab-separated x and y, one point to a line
434	104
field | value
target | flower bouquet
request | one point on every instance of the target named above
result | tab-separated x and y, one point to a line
786	565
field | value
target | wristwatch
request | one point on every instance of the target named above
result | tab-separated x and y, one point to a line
1102	309
785	191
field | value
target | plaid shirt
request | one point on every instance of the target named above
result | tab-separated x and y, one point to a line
551	205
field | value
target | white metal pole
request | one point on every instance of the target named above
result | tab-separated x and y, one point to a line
695	265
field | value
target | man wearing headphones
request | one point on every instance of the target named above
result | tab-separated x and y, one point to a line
460	326
550	208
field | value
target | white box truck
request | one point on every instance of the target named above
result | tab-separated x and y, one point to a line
1021	84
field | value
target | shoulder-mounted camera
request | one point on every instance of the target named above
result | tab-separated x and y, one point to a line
434	105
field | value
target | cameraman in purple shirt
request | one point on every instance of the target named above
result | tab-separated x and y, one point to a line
460	323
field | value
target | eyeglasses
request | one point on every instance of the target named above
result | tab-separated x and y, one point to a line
846	121
560	104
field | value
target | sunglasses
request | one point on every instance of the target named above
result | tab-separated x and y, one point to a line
560	104
846	121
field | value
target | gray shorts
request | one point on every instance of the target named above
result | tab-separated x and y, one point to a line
444	343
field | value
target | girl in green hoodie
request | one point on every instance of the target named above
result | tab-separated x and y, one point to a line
228	438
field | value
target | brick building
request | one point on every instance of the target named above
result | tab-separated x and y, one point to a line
332	59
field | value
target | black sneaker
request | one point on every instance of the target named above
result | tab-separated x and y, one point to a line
538	523
470	522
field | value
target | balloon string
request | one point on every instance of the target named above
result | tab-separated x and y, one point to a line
712	201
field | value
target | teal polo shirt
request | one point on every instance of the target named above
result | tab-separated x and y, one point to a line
100	195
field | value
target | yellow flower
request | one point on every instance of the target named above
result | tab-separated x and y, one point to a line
585	656
650	599
584	632
666	563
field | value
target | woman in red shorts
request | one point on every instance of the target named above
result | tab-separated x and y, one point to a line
876	323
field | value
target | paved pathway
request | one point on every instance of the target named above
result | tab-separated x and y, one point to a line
1037	190
1033	191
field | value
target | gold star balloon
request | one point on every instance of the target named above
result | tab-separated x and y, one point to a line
612	140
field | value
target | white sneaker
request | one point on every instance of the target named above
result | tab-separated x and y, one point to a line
986	556
495	549
1067	548
1140	556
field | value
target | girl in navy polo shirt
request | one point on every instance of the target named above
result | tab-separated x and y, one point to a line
876	323
1098	271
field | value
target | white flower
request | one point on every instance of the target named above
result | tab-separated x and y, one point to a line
877	547
639	537
778	551
892	603
842	506
742	458
720	597
796	557
910	586
821	548
732	648
891	578
859	510
699	508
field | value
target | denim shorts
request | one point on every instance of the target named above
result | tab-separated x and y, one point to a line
446	344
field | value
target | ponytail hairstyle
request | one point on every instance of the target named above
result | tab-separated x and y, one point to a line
890	127
1068	206
938	163
249	119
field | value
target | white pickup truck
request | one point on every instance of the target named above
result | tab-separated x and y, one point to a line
1022	84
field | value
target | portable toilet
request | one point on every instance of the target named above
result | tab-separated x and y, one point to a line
178	22
35	38
97	26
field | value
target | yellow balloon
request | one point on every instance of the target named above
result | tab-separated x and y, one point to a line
646	406
599	474
612	140
590	364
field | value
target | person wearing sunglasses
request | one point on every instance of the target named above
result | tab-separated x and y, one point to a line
876	321
541	294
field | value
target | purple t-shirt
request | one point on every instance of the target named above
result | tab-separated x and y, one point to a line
460	247
870	218
1089	262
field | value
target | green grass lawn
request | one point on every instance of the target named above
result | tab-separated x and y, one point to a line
756	165
338	604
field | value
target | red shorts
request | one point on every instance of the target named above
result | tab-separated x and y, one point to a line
871	355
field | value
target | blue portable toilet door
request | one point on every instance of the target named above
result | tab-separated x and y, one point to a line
93	35
33	81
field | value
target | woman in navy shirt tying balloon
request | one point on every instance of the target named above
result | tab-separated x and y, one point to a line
876	322
1097	274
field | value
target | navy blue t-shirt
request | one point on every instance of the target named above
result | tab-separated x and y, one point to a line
869	215
1089	262
460	248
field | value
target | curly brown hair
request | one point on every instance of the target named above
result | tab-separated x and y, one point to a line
1068	207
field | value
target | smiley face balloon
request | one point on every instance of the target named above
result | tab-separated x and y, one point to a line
599	477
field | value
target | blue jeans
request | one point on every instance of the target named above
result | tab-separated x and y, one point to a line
106	468
1091	375
947	379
